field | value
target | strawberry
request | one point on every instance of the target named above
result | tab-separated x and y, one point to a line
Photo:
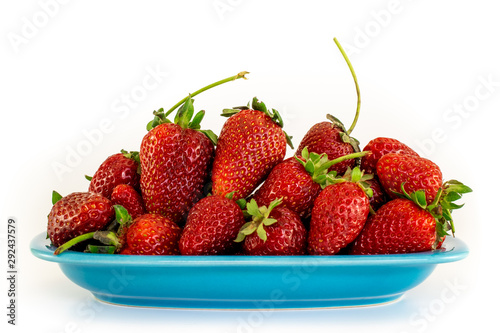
409	224
126	196
339	213
250	144
175	165
272	231
298	181
399	226
415	173
120	168
176	159
152	234
76	214
331	137
379	147
211	227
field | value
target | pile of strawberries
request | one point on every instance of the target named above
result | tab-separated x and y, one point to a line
191	192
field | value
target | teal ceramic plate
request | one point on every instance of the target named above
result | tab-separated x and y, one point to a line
248	282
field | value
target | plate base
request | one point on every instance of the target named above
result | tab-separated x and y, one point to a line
246	305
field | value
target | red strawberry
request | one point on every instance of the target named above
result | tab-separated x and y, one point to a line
211	227
416	173
126	196
175	164
380	147
399	226
273	231
250	144
152	234
409	224
298	181
339	213
76	214
331	137
120	168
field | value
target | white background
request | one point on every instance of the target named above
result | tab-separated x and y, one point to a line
429	76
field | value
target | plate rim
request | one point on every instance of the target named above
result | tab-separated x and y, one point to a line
455	250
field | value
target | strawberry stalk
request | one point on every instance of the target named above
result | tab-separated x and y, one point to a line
161	115
317	165
240	75
358	105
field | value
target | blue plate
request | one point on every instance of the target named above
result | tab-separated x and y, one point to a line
248	282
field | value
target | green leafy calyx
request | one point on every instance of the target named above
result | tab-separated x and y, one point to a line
260	218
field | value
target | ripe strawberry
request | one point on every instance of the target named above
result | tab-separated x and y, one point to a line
415	173
152	234
120	168
211	227
339	213
176	158
175	164
126	196
272	231
298	181
399	226
409	224
331	137
250	144
76	214
379	147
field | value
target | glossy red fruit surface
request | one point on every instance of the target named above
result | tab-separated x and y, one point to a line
116	169
416	173
379	147
399	226
152	234
211	227
175	165
250	145
76	214
339	213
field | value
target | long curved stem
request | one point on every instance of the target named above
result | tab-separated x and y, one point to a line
73	242
240	75
355	82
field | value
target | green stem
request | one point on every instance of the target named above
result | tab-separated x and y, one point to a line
199	91
355	82
73	242
341	159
